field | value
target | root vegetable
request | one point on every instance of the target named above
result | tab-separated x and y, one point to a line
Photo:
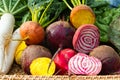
109	58
19	51
84	65
80	13
59	35
32	32
39	66
86	38
7	56
32	52
7	23
62	58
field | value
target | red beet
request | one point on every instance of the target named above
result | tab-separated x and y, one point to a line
86	38
60	33
84	64
62	58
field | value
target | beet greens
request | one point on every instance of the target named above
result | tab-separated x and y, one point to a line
45	11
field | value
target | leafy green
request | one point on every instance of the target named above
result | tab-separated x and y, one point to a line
12	6
45	11
114	33
104	16
16	7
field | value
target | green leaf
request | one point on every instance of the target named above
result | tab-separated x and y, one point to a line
45	11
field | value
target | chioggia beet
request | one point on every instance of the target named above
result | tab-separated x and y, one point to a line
86	38
83	64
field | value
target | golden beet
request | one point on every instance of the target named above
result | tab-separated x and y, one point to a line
19	51
39	66
82	14
32	32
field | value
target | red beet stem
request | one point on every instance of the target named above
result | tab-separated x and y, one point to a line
84	64
60	48
86	38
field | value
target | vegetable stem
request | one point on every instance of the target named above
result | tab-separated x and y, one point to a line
50	21
19	10
21	39
45	11
67	4
53	58
73	2
78	2
13	8
10	3
35	13
5	5
83	1
2	10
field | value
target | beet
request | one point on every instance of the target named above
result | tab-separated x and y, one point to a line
62	58
32	52
109	58
60	33
86	38
84	65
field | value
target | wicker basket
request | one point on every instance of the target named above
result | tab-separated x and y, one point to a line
16	73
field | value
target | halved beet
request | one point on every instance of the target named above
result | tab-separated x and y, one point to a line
86	38
84	65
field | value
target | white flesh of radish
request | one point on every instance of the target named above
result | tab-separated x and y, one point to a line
7	46
10	51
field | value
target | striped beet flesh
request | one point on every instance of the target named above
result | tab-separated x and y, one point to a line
82	64
86	38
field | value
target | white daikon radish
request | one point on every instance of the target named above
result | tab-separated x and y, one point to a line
6	28
10	51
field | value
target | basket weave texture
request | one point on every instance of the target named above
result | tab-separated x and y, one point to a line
16	73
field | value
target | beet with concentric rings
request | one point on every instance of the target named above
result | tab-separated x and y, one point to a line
86	38
82	64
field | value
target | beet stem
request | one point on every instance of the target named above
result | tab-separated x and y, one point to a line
53	58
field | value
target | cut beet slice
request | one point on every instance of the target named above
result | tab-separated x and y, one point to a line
86	38
84	65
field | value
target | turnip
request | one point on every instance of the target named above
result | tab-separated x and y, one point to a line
80	13
86	38
84	65
62	58
109	58
59	35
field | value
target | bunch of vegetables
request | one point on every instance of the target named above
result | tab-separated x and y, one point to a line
43	42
